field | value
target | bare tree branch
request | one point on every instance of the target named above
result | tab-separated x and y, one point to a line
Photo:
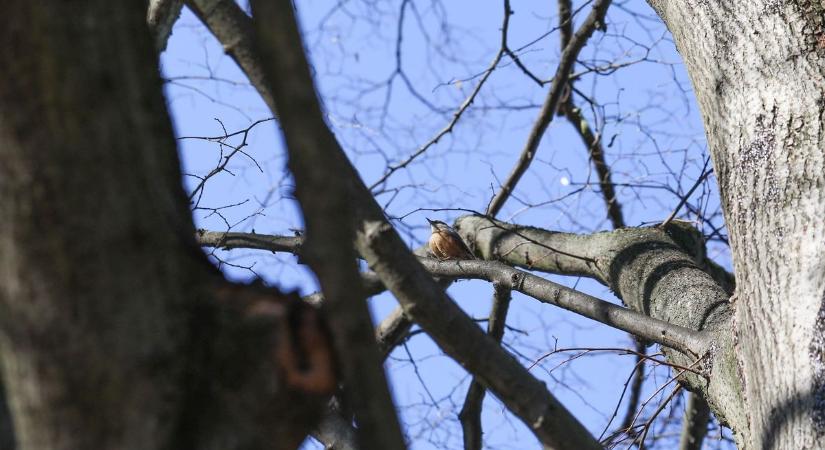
335	432
161	17
233	29
330	229
390	332
551	103
422	298
699	181
470	415
650	269
694	423
674	336
636	385
465	105
231	240
596	151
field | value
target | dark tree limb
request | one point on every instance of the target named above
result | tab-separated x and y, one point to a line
116	331
330	229
335	432
694	423
422	298
671	335
470	415
591	141
161	17
7	440
233	29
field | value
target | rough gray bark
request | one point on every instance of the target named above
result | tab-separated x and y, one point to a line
758	70
114	330
656	272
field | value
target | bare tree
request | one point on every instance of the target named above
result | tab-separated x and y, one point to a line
117	333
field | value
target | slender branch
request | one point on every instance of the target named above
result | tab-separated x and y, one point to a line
674	336
231	240
470	415
565	23
161	17
447	129
579	122
636	385
694	423
596	151
233	29
551	103
649	423
699	181
464	105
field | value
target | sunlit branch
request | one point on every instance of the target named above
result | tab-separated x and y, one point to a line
551	103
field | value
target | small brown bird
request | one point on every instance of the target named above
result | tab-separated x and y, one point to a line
445	243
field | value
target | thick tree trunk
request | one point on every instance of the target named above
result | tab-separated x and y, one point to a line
758	70
94	280
114	330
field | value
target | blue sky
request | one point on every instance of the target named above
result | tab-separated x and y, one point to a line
644	111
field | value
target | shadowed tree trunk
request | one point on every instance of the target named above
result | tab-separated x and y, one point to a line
115	332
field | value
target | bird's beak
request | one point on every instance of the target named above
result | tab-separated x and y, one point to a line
428	220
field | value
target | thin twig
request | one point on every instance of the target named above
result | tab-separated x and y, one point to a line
551	103
699	181
462	108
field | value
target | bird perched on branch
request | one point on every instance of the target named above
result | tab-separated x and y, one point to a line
445	243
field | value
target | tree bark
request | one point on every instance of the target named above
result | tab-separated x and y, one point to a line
95	281
115	332
758	70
